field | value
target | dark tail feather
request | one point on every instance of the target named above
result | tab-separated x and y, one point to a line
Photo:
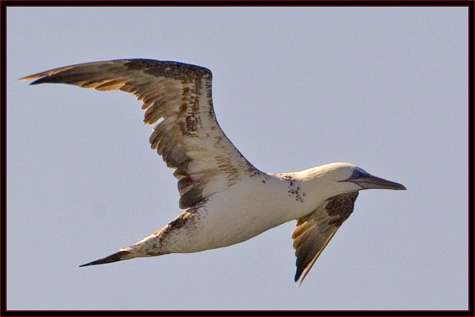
121	255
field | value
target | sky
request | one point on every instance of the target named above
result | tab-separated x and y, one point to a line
384	88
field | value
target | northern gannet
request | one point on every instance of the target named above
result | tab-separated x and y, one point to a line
227	200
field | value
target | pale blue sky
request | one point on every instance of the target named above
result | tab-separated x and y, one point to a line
383	88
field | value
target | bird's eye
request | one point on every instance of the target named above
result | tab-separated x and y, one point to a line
356	174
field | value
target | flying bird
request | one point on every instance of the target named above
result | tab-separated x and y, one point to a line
226	199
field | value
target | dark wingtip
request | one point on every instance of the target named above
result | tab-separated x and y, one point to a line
297	276
121	255
45	80
36	82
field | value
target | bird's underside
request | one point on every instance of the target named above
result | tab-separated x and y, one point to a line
227	200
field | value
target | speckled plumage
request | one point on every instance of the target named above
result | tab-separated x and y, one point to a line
227	200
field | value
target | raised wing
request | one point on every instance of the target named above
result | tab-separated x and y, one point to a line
178	96
315	230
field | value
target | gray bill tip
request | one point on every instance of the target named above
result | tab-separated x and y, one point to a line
373	182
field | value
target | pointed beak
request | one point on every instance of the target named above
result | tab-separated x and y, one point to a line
373	182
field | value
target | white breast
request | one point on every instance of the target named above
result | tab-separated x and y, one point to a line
246	210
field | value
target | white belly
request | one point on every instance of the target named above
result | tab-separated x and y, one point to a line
238	214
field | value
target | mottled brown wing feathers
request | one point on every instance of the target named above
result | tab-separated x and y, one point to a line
315	230
188	136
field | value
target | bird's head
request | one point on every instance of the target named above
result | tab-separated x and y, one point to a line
340	178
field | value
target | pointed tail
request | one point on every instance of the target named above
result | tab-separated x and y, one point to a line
119	256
